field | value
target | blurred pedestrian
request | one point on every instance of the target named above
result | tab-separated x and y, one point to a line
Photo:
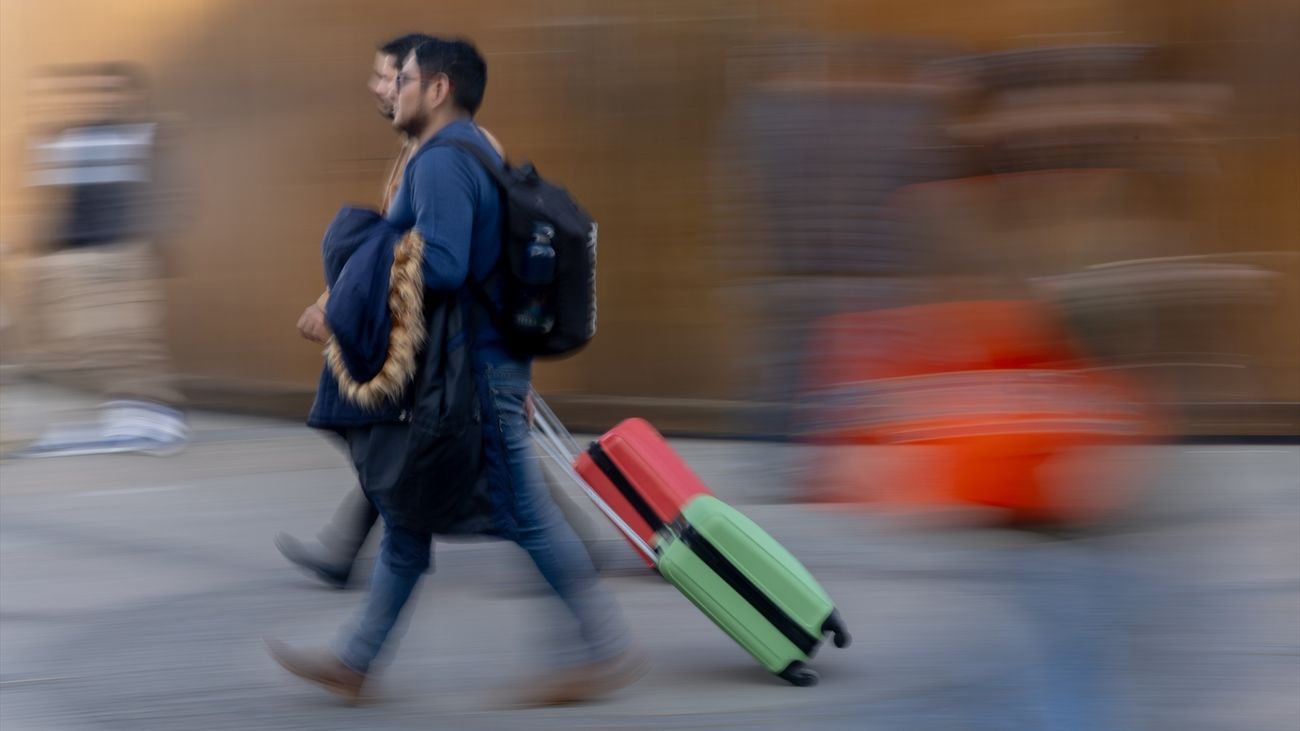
449	199
333	557
98	298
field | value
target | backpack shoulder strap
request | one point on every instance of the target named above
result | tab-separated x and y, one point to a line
496	168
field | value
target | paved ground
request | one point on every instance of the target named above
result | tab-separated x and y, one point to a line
134	592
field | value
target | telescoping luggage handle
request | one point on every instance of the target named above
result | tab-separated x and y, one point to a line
563	449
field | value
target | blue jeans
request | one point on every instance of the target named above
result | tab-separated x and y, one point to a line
537	526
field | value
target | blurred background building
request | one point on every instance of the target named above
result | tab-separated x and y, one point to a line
756	167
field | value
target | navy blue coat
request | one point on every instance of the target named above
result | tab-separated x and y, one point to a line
403	352
357	252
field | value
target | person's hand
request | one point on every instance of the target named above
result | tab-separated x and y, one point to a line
312	324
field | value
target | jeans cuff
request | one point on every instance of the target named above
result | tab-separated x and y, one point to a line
348	660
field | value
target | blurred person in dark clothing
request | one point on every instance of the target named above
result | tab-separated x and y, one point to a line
98	298
341	539
450	200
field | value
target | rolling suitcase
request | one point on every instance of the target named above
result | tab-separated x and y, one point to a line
725	564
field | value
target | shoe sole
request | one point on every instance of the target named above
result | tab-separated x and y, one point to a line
151	449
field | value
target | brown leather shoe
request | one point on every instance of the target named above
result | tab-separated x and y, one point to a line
321	668
587	682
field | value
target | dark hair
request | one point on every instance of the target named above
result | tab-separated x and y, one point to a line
402	46
462	64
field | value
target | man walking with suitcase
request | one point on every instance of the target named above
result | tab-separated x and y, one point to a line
334	555
453	203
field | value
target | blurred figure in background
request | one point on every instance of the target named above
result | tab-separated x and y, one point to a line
341	539
97	292
822	133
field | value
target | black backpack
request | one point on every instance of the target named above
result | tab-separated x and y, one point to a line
548	260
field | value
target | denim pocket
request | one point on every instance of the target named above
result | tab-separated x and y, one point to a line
508	396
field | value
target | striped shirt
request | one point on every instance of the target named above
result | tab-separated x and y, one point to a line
108	168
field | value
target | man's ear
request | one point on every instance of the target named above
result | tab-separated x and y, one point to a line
441	89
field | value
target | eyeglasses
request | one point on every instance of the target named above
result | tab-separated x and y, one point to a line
403	79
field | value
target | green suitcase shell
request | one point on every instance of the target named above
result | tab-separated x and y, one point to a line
750	586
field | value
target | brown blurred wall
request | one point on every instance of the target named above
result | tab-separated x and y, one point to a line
273	129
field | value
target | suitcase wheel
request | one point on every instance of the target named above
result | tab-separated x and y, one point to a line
798	674
835	626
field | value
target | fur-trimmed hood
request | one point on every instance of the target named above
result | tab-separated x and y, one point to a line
366	386
374	309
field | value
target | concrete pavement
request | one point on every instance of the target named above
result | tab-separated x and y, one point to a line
134	592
